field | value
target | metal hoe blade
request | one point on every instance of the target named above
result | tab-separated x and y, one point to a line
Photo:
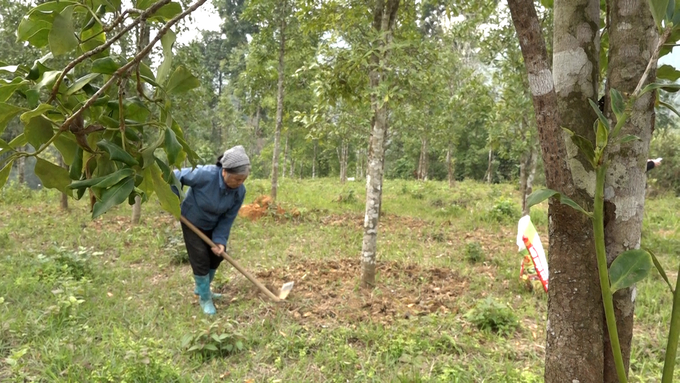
285	290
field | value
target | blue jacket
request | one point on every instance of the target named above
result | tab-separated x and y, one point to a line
210	204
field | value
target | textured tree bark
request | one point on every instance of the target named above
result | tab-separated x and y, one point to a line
279	104
575	329
449	166
384	15
423	160
285	159
21	167
489	168
632	39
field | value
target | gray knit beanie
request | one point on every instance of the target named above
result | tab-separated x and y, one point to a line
236	158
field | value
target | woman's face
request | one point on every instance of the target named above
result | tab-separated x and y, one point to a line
233	181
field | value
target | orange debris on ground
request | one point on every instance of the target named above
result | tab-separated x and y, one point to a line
262	206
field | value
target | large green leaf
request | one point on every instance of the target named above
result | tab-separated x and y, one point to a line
167	41
173	148
35	32
75	170
62	36
182	80
658	8
618	106
52	176
67	146
38	131
48	79
629	268
600	116
7	113
584	145
113	196
7	88
81	82
114	178
105	65
169	200
668	72
39	110
92	38
541	195
167	12
4	174
116	153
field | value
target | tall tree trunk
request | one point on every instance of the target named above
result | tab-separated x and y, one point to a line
316	144
64	197
384	15
449	166
527	169
630	50
21	167
259	140
285	159
574	344
422	162
489	168
137	210
279	103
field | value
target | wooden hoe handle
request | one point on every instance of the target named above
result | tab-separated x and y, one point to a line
231	261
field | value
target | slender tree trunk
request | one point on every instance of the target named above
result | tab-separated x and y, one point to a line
279	103
630	50
384	15
64	197
21	168
316	144
574	344
285	159
449	166
137	210
259	140
489	169
423	160
342	159
527	169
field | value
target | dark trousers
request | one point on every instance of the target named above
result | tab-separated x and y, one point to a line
201	257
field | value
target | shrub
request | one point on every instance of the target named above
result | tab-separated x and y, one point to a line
491	315
219	338
474	252
503	210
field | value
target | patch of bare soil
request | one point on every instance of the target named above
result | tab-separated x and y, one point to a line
329	292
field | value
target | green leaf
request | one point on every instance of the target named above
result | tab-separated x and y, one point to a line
116	153
167	41
93	38
29	29
602	136
656	85
629	268
667	72
114	178
600	116
62	36
629	138
7	89
216	338
210	347
172	147
4	174
584	145
167	12
539	196
81	82
38	131
169	200
75	171
658	8
618	106
182	80
39	110
86	182
18	141
670	107
48	79
67	146
660	269
105	65
7	113
52	176
116	195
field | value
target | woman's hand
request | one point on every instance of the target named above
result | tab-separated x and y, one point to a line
218	249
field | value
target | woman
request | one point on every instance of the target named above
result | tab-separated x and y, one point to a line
215	195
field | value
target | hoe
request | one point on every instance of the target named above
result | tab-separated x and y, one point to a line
285	289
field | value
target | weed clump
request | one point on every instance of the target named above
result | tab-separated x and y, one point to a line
218	339
474	252
504	210
491	315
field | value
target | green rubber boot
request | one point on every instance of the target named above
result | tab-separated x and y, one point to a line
211	274
204	298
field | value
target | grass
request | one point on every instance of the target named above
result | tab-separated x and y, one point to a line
104	301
